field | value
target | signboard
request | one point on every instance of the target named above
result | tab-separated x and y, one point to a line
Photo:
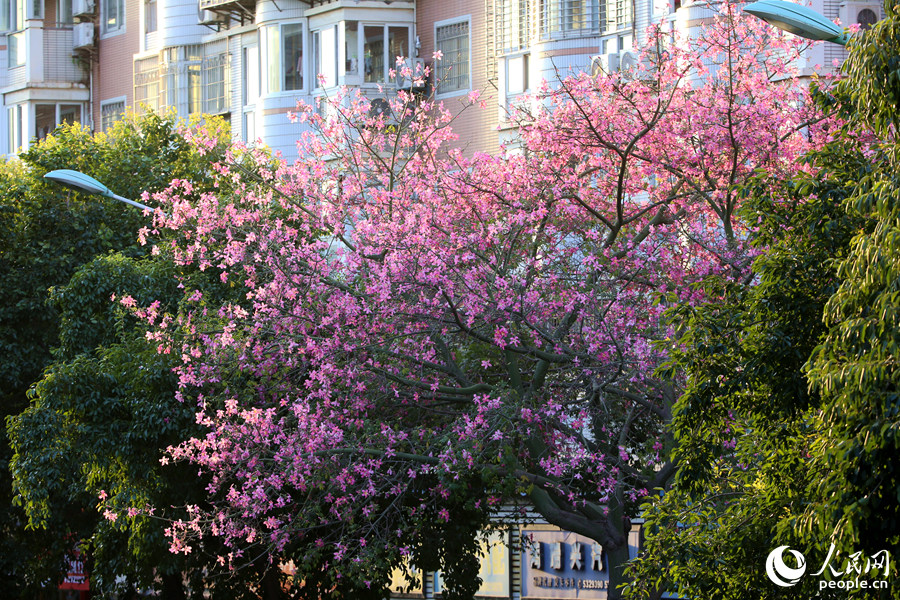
560	564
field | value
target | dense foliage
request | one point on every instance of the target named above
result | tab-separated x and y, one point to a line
787	431
88	422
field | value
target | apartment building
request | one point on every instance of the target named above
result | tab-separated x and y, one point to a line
251	61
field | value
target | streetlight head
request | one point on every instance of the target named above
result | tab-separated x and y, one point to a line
797	19
78	181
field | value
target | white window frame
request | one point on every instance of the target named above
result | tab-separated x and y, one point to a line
251	80
388	61
57	116
105	29
275	77
328	35
65	12
445	58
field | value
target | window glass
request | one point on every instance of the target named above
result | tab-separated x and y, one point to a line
292	56
517	74
373	52
69	113
64	12
325	50
251	75
16	50
351	47
273	54
44	120
149	16
453	69
398	45
112	14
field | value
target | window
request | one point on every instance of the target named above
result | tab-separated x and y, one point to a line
284	49
112	16
561	18
325	56
15	128
382	44
215	78
517	74
110	112
17	52
48	116
452	41
351	47
292	54
193	58
13	13
512	25
251	92
64	12
149	16
616	15
146	83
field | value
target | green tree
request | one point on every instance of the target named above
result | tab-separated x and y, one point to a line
92	436
47	234
788	431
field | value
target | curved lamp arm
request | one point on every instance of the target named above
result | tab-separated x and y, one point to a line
85	183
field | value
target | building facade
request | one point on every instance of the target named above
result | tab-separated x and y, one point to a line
251	61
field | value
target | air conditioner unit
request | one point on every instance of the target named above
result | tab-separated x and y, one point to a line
410	75
604	63
208	17
629	60
864	14
83	8
83	35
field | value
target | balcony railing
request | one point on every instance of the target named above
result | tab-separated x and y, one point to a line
60	64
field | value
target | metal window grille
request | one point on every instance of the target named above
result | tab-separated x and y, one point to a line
616	15
146	83
216	69
110	113
564	18
453	70
512	18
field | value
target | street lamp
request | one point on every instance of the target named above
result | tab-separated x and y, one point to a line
798	20
85	183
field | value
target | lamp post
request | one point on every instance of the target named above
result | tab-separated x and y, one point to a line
85	183
798	20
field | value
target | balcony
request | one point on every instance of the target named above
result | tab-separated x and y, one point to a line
57	65
236	9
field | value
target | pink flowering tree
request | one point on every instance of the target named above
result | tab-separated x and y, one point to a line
426	340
